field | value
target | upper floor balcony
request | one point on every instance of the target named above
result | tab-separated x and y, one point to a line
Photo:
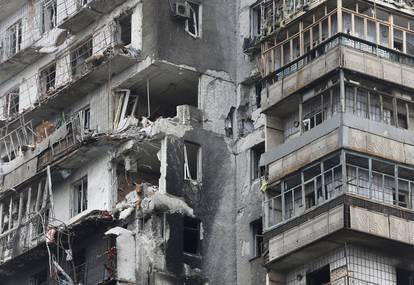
75	15
9	7
297	41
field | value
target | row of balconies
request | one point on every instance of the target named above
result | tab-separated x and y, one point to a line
22	41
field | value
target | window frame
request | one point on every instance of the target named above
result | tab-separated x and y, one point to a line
75	210
198	24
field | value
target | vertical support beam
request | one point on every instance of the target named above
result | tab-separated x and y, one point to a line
397	192
20	213
282	187
49	183
342	89
148	98
302	177
370	177
339	16
300	117
39	194
29	200
10	213
323	181
344	177
1	217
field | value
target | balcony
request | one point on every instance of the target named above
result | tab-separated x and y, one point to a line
75	15
18	49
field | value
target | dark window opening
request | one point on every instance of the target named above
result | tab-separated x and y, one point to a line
80	196
126	29
11	103
192	161
191	236
14	38
256	229
39	278
48	79
405	277
258	90
49	15
319	277
78	59
257	152
256	21
193	25
86	118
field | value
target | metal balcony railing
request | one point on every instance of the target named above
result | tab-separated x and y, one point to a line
380	181
335	41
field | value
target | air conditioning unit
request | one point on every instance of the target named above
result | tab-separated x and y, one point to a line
182	10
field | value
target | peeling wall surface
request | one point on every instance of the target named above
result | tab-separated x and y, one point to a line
205	142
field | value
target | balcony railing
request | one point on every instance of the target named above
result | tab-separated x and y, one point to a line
360	175
335	41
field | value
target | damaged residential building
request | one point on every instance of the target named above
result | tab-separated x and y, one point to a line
337	92
204	142
117	122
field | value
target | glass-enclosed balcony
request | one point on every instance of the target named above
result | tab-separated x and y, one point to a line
376	24
343	172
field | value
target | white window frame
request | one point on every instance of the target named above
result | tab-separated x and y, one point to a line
16	30
255	19
74	201
48	24
197	25
187	172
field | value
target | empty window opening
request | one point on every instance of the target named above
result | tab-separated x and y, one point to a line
86	114
125	29
80	196
78	59
258	93
14	38
49	15
256	20
256	153
11	103
48	79
39	278
193	24
319	277
256	229
192	161
405	277
192	236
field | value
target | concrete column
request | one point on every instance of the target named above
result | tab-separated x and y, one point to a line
342	89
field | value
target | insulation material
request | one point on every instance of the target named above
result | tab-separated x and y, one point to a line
43	130
125	245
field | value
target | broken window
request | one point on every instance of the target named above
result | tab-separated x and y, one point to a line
86	114
78	59
192	161
192	236
313	115
256	229
256	153
83	2
11	103
39	278
49	15
193	24
319	276
47	78
80	196
398	40
256	20
125	29
14	38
